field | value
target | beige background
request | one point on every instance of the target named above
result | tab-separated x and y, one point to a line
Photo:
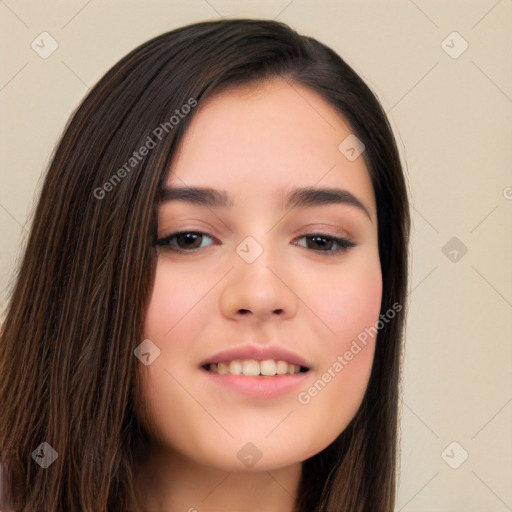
452	117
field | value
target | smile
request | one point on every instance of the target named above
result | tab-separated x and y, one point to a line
253	368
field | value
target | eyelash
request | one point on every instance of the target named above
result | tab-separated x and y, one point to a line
343	243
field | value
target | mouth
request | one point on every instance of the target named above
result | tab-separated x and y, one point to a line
259	380
255	368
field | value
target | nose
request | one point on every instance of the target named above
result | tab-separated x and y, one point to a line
259	291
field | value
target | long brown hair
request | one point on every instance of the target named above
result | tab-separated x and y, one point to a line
76	313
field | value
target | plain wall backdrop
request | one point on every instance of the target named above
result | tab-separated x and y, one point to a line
443	72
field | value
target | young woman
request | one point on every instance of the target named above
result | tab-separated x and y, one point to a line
210	307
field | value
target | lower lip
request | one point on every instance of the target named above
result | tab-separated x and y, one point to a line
260	387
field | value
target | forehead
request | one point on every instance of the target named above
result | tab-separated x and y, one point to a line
258	141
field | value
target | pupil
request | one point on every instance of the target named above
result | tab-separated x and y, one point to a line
189	237
315	238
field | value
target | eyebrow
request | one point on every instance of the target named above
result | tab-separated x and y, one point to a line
303	197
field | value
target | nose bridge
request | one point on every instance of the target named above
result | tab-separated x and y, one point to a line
256	285
256	266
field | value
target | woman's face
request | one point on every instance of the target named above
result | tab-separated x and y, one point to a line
262	275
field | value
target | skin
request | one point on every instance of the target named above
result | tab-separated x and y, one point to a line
254	142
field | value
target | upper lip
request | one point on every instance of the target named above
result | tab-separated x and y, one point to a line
258	352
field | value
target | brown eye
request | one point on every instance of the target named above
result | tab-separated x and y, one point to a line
327	244
189	239
321	242
186	241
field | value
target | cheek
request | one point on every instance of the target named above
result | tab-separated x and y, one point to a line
349	300
173	319
351	310
172	296
176	312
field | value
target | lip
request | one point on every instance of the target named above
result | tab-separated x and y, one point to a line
259	353
259	387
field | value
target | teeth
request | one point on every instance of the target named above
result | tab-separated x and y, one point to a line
251	367
293	369
222	368
281	367
268	367
235	368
